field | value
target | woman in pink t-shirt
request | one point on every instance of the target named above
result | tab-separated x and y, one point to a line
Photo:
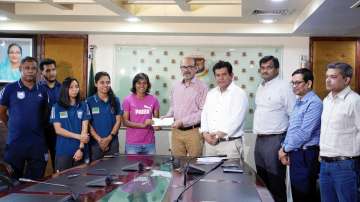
139	109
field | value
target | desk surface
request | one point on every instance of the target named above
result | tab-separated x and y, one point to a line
160	181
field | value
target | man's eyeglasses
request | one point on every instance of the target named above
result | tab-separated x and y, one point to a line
296	83
187	67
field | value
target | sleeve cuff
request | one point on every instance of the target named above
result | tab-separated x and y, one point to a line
285	149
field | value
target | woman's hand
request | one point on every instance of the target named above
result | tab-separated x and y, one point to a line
84	138
78	155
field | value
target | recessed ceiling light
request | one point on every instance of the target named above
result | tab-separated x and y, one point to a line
268	21
277	0
133	19
3	18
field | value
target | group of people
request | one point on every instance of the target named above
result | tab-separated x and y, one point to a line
293	126
316	139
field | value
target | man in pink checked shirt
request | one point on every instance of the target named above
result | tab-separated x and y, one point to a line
187	99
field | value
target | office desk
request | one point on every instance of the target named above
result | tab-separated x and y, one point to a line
160	181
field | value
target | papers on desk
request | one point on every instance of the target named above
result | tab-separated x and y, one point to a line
209	160
161	173
163	122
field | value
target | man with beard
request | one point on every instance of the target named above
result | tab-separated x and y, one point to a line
187	99
24	109
48	72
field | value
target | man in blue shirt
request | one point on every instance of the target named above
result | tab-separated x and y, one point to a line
300	149
24	110
52	86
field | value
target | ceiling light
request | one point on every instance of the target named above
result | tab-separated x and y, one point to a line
133	19
268	21
3	18
277	0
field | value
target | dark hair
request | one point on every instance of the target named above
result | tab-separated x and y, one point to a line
64	99
14	44
345	69
111	94
138	77
268	58
307	74
46	61
223	64
29	59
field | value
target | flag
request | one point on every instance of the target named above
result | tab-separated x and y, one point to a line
91	84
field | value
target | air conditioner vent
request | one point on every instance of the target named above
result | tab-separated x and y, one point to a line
271	12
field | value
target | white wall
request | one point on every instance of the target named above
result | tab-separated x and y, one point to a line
293	47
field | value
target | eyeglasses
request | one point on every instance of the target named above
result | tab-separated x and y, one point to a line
187	67
296	83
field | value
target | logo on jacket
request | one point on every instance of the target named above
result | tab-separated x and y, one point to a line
21	95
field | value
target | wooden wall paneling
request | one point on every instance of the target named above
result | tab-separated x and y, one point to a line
326	50
71	55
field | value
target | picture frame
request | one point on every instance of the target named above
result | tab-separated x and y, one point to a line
13	48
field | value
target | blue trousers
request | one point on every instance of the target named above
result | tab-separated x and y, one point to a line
304	171
140	149
339	181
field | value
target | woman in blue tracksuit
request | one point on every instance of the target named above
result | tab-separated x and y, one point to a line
70	117
106	114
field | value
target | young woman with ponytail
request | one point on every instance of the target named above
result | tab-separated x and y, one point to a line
106	114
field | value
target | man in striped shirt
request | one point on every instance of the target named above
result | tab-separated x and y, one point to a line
300	149
187	100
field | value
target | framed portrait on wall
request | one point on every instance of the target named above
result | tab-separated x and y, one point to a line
12	50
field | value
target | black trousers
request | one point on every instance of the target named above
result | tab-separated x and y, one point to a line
66	162
27	161
268	166
50	137
96	153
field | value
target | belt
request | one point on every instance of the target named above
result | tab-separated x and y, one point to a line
338	158
312	147
270	135
228	139
190	127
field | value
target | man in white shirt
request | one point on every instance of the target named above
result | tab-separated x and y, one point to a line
274	102
223	115
340	137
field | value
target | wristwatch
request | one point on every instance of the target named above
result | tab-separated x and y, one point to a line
81	149
113	134
284	150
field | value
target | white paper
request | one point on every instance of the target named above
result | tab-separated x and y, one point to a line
209	160
161	173
163	122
